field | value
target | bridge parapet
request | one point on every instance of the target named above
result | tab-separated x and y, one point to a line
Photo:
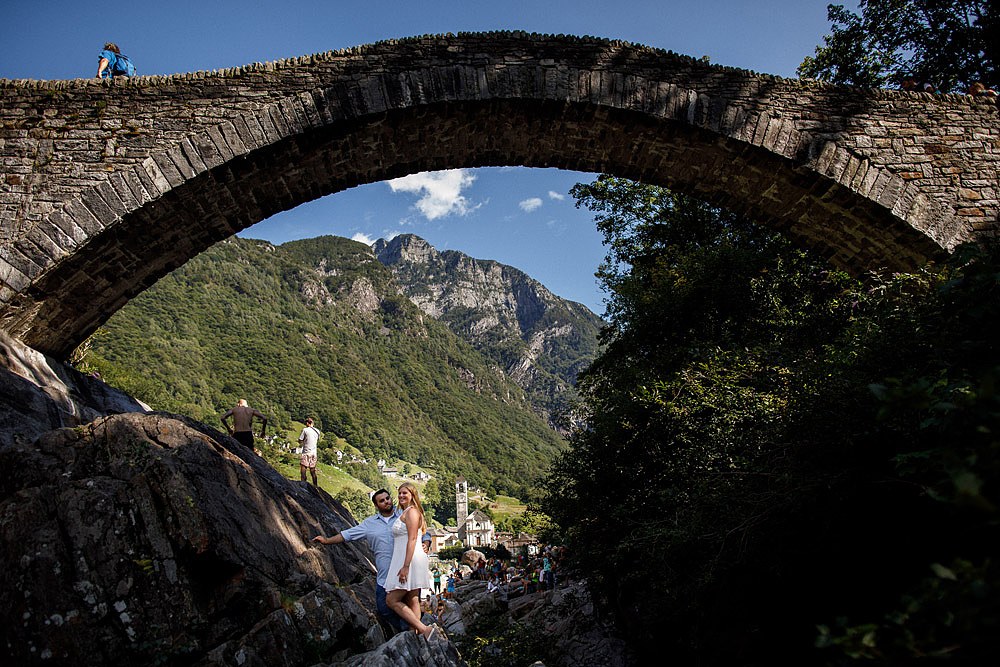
107	185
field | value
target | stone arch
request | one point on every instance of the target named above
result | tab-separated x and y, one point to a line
754	144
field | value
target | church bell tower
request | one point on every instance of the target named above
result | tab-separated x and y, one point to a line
461	505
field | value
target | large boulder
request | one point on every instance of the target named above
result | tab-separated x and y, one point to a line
579	636
153	539
412	650
39	394
472	558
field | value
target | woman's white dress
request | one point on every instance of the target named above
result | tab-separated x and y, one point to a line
420	576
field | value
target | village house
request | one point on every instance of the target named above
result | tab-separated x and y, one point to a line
443	537
520	543
386	470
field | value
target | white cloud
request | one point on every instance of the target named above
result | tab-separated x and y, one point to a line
555	195
363	238
440	192
529	205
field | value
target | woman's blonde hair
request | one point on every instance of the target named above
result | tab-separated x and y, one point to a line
415	502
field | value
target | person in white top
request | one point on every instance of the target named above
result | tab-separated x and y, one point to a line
408	571
307	461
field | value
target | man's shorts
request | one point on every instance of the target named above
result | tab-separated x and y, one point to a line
244	438
308	461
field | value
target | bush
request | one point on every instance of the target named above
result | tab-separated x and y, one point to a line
452	553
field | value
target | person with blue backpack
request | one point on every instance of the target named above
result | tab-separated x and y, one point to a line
112	62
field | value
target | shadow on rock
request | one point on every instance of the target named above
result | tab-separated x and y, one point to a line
154	539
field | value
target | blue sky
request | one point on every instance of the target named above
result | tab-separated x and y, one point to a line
522	217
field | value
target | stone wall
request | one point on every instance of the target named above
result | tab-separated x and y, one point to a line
108	185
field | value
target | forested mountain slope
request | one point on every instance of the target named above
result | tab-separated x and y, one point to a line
540	340
320	328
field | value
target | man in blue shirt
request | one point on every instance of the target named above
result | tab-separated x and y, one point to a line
377	529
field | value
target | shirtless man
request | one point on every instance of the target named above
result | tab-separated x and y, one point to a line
243	416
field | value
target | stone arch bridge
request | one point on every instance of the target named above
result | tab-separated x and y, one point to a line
107	186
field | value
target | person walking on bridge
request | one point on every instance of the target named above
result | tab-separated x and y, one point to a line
112	62
243	415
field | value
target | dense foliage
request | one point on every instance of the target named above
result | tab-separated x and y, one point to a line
316	328
949	42
774	446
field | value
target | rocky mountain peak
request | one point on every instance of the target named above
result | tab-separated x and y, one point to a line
404	248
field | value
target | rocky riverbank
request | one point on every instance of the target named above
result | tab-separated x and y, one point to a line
573	631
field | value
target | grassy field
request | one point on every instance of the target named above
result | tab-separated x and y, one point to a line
505	507
291	436
329	477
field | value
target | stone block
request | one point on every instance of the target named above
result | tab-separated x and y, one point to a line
155	177
232	138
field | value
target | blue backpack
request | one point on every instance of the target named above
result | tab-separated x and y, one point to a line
118	64
122	66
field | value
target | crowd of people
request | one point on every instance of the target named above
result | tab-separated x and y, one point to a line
504	579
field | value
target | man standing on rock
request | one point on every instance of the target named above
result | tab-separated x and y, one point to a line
243	416
377	529
307	461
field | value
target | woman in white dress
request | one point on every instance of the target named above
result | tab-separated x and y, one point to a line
408	570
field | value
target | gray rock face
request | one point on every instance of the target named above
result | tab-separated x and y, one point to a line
153	539
409	649
474	601
567	615
39	394
451	618
540	340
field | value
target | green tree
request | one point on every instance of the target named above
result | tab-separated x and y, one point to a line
452	553
439	500
760	434
356	501
948	42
